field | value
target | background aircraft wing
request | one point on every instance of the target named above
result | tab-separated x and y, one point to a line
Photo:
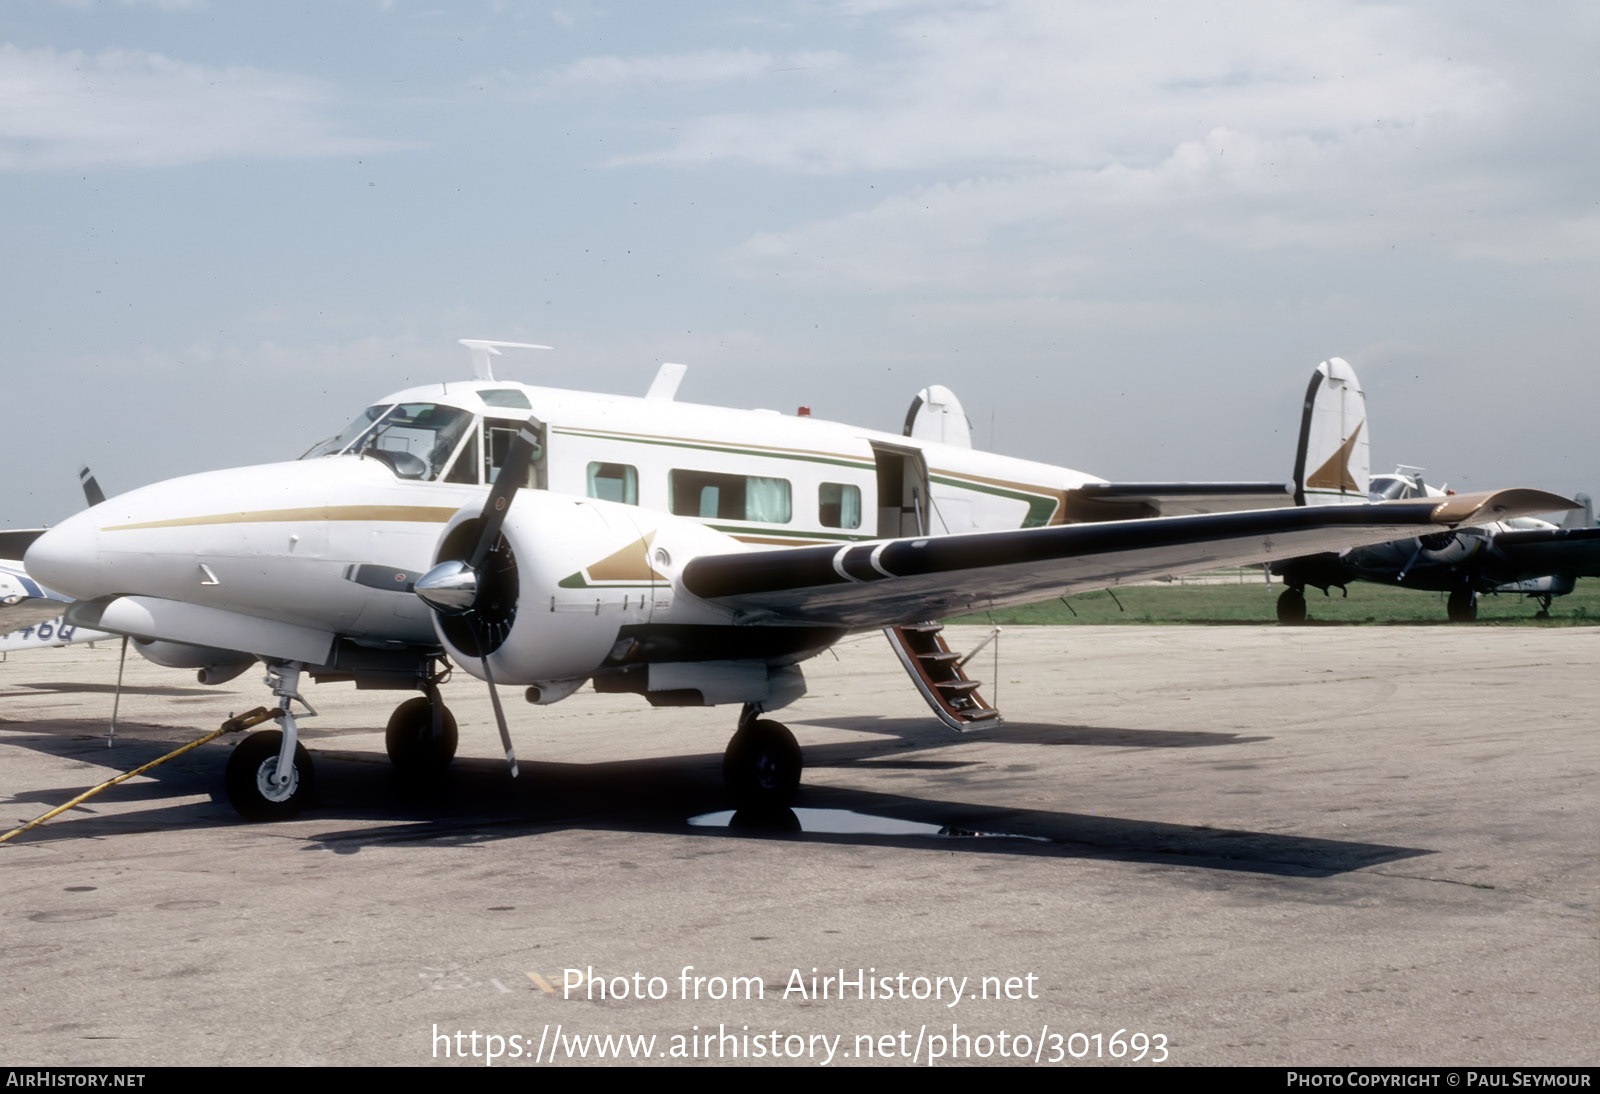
1132	500
23	601
901	580
1574	552
30	613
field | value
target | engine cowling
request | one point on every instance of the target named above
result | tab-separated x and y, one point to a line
550	598
1446	548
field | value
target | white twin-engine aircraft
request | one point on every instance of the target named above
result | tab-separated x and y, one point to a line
694	555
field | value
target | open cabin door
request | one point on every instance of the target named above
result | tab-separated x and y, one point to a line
902	491
499	433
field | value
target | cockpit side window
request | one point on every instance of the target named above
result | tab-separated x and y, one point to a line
465	469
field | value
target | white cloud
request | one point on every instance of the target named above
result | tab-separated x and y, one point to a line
164	5
66	110
1037	141
702	67
1021	84
708	66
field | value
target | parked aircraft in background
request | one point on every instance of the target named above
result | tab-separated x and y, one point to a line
692	555
1518	555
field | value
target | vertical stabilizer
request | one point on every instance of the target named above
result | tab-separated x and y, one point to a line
936	415
1583	516
1334	461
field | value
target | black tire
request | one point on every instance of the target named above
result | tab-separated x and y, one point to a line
1292	606
249	778
1463	606
410	742
761	768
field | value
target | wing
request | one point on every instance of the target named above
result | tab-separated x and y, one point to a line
1099	501
1571	552
899	580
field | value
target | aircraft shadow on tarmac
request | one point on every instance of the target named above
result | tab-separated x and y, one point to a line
476	802
80	688
924	733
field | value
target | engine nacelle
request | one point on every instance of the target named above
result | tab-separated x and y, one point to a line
1448	548
567	575
215	666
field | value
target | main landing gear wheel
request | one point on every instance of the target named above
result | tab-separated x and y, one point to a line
1292	606
252	782
761	768
1463	606
412	746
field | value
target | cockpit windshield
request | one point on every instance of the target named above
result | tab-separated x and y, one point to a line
416	440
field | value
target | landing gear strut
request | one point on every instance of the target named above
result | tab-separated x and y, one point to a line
269	775
761	768
1463	605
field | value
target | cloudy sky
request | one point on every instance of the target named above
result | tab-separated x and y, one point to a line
1123	233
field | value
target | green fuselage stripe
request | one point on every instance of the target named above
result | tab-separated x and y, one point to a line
1040	508
710	446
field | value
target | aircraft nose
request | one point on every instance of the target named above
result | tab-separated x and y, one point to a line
67	557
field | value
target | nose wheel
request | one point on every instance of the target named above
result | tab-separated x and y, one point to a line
761	768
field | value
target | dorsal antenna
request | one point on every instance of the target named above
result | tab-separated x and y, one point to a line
482	349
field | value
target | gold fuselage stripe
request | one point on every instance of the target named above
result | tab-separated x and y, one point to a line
413	514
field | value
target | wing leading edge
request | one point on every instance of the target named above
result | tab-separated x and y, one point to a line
891	581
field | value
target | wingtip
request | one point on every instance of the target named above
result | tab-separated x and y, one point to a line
1493	505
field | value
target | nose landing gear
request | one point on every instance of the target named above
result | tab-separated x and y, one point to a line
269	775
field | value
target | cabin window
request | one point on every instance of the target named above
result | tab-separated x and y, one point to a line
508	397
839	505
710	495
614	482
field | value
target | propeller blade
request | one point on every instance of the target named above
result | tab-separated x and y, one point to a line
1412	561
513	473
91	489
494	698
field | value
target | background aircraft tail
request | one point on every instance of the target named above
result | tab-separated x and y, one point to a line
1334	460
1582	517
936	415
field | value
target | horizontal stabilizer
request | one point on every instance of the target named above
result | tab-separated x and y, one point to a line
1133	500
